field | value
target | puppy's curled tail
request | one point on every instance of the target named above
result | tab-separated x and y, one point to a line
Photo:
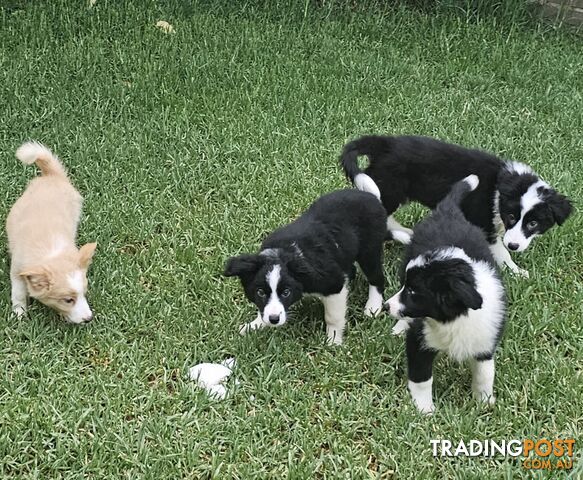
34	152
349	163
458	192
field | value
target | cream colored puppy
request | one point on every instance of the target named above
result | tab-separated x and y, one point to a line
42	226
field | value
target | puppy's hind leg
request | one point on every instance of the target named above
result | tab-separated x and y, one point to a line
371	262
399	232
254	325
335	315
19	294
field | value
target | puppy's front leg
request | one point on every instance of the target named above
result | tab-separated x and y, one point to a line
335	315
420	369
254	325
422	396
374	304
19	295
400	327
503	258
483	372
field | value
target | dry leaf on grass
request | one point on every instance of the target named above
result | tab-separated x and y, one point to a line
165	26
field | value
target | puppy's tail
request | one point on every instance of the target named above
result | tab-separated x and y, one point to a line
457	193
34	152
349	162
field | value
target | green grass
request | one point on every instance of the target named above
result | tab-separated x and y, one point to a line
189	148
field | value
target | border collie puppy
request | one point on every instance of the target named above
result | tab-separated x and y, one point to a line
452	299
315	255
511	201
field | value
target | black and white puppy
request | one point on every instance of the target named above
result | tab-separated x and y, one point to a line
315	255
452	299
511	201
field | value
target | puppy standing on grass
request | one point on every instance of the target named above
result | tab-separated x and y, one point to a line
315	255
41	227
512	204
453	296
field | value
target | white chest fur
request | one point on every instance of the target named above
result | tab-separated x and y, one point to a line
476	332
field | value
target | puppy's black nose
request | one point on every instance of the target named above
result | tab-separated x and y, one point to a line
513	246
386	307
274	319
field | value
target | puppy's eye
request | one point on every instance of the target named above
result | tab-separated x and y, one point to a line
511	219
532	225
69	300
260	293
286	292
410	291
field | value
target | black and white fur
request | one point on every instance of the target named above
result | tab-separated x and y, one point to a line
510	201
452	299
315	255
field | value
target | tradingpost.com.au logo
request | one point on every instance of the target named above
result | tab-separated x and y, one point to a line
538	454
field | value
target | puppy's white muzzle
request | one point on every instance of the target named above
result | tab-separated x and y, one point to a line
515	241
394	305
81	313
274	313
274	320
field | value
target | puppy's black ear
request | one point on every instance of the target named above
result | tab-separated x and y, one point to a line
503	175
466	293
560	206
506	182
297	265
243	265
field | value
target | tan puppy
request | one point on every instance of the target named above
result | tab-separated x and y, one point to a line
42	227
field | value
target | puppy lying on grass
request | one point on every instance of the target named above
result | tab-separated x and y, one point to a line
41	227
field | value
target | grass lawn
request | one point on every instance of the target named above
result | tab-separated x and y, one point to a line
189	148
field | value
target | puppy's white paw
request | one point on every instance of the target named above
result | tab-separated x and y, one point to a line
522	273
373	308
402	237
485	397
334	336
374	304
426	409
516	270
19	310
400	327
254	325
421	395
244	329
371	312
